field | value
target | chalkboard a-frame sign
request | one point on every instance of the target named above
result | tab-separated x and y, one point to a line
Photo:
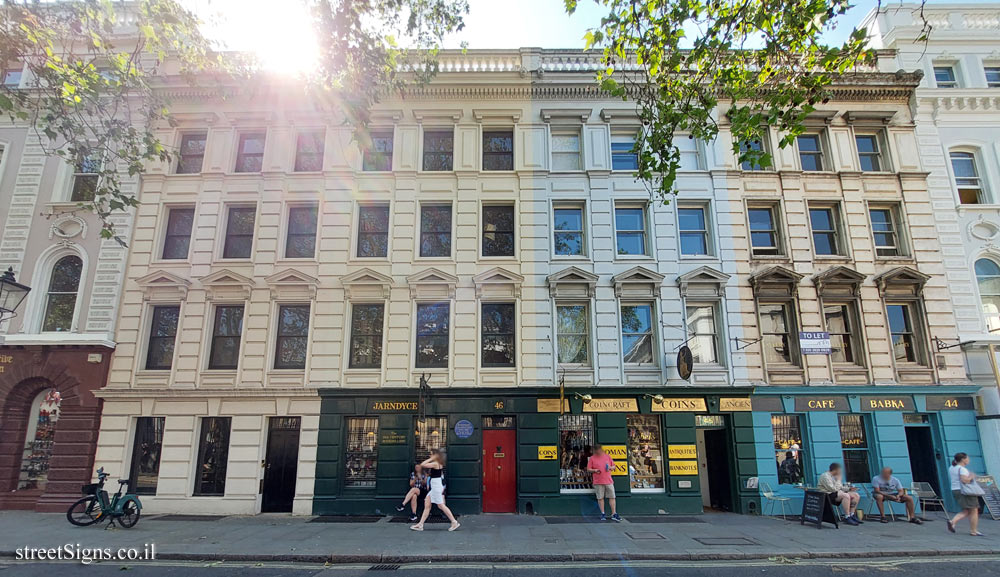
817	509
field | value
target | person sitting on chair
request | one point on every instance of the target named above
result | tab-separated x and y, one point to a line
840	494
885	487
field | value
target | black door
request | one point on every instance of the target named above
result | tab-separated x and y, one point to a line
281	464
717	459
922	463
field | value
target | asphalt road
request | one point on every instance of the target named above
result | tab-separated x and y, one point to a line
916	567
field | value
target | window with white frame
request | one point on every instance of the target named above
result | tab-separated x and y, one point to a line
840	321
568	235
810	152
566	149
292	338
755	146
85	177
300	237
692	222
777	330
498	342
573	333
367	326
498	150
310	146
240	226
12	77
703	333
439	150
227	330
869	147
623	154
63	291
162	336
377	155
177	236
630	230
992	76
907	346
824	219
765	235
435	230
638	333
944	76
965	166
373	231
498	230
433	333
886	222
250	152
988	279
690	150
191	155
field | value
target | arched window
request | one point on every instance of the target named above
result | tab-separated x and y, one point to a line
988	277
966	169
60	301
38	440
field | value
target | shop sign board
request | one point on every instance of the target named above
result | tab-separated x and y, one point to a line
548	453
945	403
391	406
611	406
887	404
816	509
464	429
551	405
815	343
389	437
731	405
991	496
678	468
682	451
619	454
682	405
767	404
830	403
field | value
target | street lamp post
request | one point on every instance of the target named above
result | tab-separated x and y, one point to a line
12	294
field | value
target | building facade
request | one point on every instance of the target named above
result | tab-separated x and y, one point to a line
307	312
57	351
958	128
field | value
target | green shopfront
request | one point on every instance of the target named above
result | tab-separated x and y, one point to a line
913	430
524	451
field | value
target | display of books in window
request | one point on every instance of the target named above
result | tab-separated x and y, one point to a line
361	455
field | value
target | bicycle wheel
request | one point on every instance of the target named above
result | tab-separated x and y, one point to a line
86	511
130	515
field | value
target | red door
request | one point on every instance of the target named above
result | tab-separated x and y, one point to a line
499	471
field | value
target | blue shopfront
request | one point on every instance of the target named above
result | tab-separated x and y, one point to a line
915	431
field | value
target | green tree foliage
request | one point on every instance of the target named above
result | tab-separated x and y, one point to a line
761	62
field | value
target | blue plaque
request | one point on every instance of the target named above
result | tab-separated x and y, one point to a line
464	429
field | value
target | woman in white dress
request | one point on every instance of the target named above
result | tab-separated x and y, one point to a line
434	465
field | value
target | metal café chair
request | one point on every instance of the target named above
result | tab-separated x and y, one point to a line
872	504
925	495
773	498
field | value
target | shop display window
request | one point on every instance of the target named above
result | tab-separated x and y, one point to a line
361	454
788	454
39	440
432	433
576	442
645	453
854	442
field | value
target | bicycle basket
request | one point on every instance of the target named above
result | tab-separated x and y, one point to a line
89	488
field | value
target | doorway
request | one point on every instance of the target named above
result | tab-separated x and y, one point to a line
499	466
923	465
281	464
714	470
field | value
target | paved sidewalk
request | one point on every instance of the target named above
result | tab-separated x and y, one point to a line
498	538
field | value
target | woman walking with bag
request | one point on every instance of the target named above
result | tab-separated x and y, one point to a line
966	492
435	465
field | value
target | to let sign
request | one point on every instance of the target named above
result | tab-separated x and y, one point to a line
815	343
547	453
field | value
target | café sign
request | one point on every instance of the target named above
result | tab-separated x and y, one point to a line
611	406
684	405
830	403
887	404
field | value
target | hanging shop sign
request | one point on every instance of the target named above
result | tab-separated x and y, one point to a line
887	404
682	451
731	405
689	405
685	362
383	406
945	403
464	429
611	406
619	454
552	405
548	453
678	468
830	403
815	343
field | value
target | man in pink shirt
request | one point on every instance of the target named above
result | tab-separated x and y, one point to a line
600	466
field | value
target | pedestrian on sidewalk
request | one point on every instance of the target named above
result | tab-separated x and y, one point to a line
417	493
840	493
885	487
962	479
434	466
600	466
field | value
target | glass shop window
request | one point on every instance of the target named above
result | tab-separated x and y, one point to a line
432	433
39	440
645	453
576	442
788	445
854	442
361	453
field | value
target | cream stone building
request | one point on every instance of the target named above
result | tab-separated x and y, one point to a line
306	314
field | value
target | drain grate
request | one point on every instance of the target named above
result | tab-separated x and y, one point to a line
384	567
347	519
663	519
187	518
569	520
643	535
725	541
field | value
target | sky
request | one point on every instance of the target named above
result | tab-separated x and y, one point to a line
280	36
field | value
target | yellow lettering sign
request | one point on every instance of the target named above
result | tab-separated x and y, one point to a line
611	406
547	453
951	403
551	405
733	405
682	451
821	404
394	406
683	468
679	406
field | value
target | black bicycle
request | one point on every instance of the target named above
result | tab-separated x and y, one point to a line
96	506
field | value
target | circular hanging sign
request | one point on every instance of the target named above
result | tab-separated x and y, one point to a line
464	429
684	362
